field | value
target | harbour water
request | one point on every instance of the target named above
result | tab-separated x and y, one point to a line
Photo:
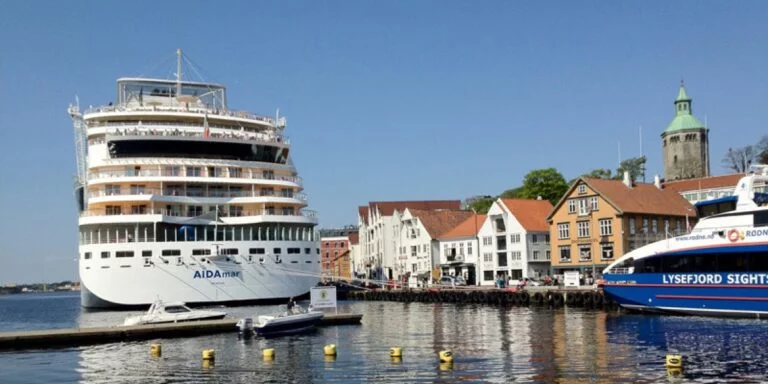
490	344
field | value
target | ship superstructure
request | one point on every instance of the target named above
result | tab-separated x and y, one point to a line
183	199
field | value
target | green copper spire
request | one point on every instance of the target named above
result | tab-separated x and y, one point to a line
683	118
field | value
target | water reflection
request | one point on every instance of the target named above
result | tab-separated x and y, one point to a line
490	344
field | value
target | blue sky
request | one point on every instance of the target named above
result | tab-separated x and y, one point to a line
385	100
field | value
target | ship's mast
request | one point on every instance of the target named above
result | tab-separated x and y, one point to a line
178	72
81	149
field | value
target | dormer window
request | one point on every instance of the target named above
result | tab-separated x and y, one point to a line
582	189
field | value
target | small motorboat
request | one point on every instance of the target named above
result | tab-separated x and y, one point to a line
292	321
173	312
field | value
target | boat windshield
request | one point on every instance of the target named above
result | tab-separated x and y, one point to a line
176	309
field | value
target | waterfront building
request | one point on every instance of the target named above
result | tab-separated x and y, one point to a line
459	250
685	142
515	240
417	244
331	248
708	188
356	265
598	220
379	228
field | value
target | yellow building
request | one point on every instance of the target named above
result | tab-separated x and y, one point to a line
598	220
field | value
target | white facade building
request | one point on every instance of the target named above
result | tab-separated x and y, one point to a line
514	241
458	250
379	225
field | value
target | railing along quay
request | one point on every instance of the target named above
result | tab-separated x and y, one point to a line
540	296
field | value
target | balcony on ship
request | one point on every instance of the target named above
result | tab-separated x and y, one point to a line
195	191
188	171
185	130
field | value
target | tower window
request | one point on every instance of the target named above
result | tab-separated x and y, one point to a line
674	159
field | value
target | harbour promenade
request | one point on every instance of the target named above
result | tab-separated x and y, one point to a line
98	335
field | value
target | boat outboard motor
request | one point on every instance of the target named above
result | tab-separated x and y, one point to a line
245	325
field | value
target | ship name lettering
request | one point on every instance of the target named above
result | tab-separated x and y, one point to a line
757	232
214	274
690	278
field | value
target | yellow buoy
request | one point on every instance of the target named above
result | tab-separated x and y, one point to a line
396	352
330	358
330	350
268	354
674	372
674	361
209	354
397	359
446	365
446	356
156	350
209	364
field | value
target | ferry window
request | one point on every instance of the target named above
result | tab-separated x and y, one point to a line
277	251
171	252
732	262
201	252
87	255
256	251
648	265
758	262
294	250
674	264
124	254
761	219
235	172
105	255
229	251
307	250
113	210
172	171
704	262
193	172
146	253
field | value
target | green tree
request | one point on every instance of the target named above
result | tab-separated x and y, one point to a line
634	165
480	204
513	193
547	183
599	173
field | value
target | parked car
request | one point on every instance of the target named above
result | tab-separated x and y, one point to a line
452	281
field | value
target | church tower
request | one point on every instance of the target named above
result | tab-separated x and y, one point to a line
685	143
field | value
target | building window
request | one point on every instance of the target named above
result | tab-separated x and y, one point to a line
546	238
564	231
548	254
534	239
536	255
666	225
500	225
606	251
583	228
565	253
501	243
469	248
488	240
631	225
606	227
414	249
679	229
582	189
585	252
488	257
583	208
487	275
593	203
571	206
514	238
502	259
515	256
645	225
655	226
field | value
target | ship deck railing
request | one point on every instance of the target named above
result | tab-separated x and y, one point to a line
103	192
161	171
180	108
198	132
179	213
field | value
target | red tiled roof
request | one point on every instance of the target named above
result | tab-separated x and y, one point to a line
363	212
711	182
354	237
641	198
467	228
439	222
531	214
387	208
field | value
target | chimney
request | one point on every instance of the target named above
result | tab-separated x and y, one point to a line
657	181
627	181
539	198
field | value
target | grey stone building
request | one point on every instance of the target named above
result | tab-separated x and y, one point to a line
685	143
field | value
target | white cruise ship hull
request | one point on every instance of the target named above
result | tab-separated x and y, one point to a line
138	281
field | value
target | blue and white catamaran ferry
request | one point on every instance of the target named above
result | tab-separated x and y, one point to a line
720	268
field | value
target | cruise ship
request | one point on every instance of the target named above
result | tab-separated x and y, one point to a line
182	199
720	268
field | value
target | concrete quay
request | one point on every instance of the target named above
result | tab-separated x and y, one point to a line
541	296
73	337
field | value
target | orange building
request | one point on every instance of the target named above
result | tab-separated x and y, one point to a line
598	220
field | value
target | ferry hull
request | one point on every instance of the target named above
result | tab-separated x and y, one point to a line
715	296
